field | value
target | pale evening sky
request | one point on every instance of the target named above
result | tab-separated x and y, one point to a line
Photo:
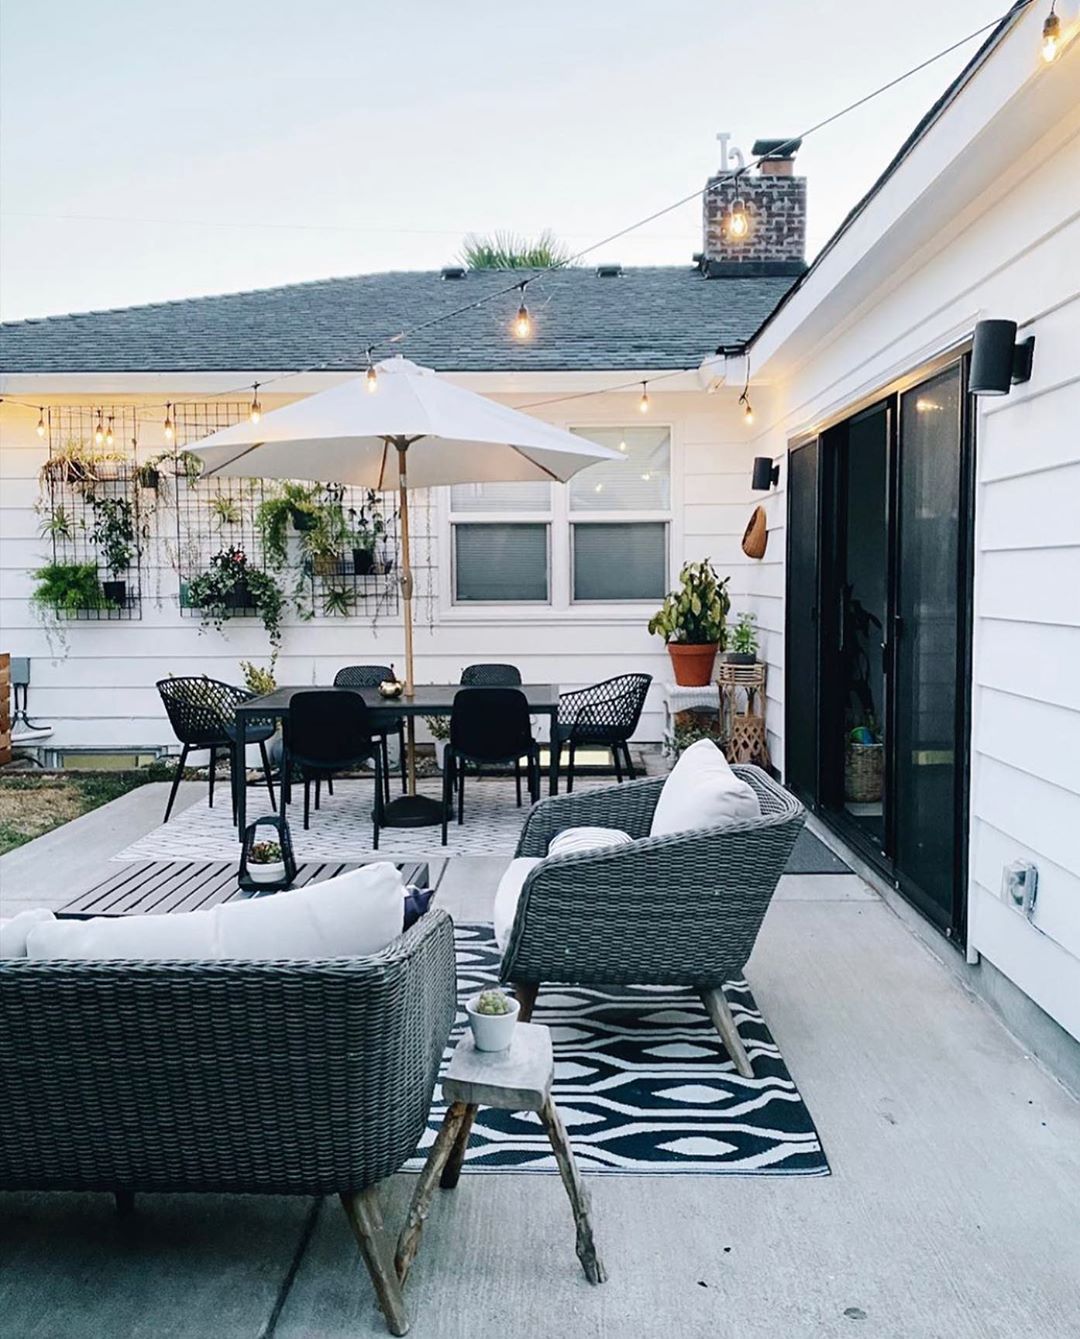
152	151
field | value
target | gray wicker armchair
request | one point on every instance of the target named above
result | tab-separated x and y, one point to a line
679	910
293	1077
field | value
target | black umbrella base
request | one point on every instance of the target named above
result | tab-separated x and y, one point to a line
412	811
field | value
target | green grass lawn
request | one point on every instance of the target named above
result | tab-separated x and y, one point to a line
32	804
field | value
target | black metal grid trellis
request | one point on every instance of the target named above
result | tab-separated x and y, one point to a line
83	482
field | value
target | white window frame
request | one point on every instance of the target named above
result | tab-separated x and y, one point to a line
559	518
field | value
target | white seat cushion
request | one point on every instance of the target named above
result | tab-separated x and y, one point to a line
351	916
507	894
13	932
703	792
571	840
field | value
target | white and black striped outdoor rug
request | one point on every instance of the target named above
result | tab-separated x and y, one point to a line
643	1084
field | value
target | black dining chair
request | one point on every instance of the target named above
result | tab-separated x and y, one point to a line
491	675
370	676
202	713
488	727
604	715
329	732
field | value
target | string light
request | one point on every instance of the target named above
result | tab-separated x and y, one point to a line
643	403
523	321
41	421
1051	35
167	427
99	430
738	222
371	376
109	432
255	412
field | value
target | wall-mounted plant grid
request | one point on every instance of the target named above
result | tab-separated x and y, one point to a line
93	512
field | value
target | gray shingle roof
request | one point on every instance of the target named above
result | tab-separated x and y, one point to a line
652	317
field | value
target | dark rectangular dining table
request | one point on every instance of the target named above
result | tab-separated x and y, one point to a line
428	699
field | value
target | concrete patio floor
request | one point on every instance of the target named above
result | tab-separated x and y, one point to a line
951	1210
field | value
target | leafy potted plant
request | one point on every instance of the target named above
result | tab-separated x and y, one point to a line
692	623
266	863
113	532
492	1015
367	528
440	733
744	641
231	585
67	588
258	680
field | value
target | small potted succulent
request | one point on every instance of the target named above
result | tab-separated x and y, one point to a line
492	1015
265	863
743	642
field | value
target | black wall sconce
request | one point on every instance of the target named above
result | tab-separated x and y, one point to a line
997	362
765	475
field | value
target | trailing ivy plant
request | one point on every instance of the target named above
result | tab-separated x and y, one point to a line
113	531
230	586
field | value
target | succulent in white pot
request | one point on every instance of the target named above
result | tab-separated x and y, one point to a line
265	863
492	1016
440	734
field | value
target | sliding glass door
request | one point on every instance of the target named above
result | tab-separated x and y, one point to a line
879	544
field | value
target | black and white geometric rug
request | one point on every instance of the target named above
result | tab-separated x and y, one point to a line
643	1084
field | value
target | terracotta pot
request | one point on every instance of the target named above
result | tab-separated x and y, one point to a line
692	663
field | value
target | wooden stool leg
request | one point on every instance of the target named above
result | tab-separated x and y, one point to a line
575	1189
452	1171
722	1020
526	992
365	1219
409	1241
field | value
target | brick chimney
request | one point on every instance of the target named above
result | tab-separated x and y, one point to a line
773	201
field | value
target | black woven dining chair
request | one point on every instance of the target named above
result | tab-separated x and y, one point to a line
604	715
370	676
491	675
202	713
488	727
330	732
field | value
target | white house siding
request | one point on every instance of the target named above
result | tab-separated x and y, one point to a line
100	691
1013	250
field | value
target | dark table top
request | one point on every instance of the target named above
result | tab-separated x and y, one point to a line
429	699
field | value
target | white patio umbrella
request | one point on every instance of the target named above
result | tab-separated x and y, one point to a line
402	426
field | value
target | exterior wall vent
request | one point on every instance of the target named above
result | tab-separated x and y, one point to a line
613	271
453	271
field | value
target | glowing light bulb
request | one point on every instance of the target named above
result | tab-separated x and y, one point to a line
738	223
599	488
41	423
646	476
372	379
109	432
1051	36
643	403
523	322
256	408
748	409
168	425
622	446
99	430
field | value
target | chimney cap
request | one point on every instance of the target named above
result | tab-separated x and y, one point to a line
453	271
776	148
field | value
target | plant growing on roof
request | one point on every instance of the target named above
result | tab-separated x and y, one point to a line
230	586
692	621
509	251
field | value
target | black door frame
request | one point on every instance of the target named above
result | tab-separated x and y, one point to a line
954	923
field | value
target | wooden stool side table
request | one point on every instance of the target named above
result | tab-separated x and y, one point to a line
517	1079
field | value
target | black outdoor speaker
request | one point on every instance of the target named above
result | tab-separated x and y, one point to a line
765	474
997	362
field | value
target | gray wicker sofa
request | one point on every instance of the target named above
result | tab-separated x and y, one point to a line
679	910
292	1077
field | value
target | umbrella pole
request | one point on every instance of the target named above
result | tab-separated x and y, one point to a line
406	595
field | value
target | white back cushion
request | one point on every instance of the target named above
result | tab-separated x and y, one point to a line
508	894
351	916
13	931
703	792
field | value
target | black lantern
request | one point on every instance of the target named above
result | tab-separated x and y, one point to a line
997	362
765	475
279	875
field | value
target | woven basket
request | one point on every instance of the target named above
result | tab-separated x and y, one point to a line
756	535
863	771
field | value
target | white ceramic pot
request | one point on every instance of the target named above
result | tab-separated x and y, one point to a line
492	1032
272	873
440	754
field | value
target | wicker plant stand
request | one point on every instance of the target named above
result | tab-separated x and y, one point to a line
743	686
